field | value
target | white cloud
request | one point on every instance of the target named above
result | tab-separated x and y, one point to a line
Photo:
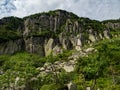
94	9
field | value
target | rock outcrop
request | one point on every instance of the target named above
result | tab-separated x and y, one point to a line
47	33
11	46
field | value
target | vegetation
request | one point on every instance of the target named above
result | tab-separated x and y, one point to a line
112	21
102	68
9	28
91	24
97	70
23	66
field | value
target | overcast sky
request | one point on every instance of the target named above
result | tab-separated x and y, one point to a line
94	9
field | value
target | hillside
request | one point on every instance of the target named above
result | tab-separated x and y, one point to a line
44	33
57	50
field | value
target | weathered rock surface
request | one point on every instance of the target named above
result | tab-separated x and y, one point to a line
72	86
67	66
11	46
51	32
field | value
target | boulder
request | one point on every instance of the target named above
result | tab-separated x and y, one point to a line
71	86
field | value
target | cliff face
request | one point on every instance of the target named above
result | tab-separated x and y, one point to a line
51	32
113	26
11	46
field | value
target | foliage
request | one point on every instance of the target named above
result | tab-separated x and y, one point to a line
91	24
35	15
100	69
22	65
53	87
103	64
9	28
112	21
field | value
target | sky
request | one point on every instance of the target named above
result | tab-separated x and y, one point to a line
93	9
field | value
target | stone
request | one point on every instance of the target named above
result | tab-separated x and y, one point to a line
42	69
92	38
88	88
78	45
100	35
1	72
56	50
89	50
71	86
11	46
48	33
68	68
48	47
16	80
106	34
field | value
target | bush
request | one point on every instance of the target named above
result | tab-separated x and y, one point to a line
53	87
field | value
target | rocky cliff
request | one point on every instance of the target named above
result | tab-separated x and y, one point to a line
51	32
